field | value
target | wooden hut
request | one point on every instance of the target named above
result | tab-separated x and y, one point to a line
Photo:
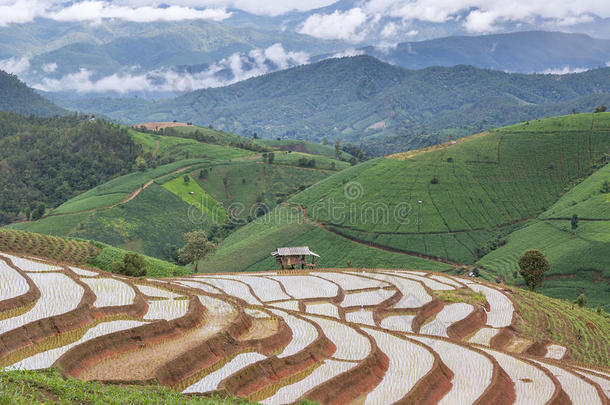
290	257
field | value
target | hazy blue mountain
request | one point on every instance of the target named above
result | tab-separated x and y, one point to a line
16	97
107	48
525	52
362	100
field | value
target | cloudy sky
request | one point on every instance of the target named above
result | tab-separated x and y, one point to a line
477	16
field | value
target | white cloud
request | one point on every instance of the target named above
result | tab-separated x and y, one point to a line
338	25
389	30
99	10
49	67
16	66
22	11
563	70
266	7
486	15
235	68
348	53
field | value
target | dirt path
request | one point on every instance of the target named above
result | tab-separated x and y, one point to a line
157	146
125	200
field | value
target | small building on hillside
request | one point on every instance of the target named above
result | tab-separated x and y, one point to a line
291	257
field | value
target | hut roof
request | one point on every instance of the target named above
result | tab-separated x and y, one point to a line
294	251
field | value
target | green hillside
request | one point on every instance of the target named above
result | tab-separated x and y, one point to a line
381	107
150	210
44	387
249	248
16	97
50	160
579	258
473	192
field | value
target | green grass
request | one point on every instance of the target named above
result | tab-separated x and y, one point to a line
304	146
321	162
250	247
78	251
249	184
45	387
184	148
545	318
118	189
155	267
579	258
484	184
191	193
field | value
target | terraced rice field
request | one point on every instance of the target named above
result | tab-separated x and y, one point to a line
339	337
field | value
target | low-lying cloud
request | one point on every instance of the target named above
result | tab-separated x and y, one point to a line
338	25
235	68
16	66
23	11
563	70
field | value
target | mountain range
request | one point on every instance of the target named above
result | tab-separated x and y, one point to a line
361	100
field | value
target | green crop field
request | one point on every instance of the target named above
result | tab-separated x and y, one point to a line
249	248
580	259
184	148
304	146
45	387
116	190
243	186
191	193
469	191
78	251
320	162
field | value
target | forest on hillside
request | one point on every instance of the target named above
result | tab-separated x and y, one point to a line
45	161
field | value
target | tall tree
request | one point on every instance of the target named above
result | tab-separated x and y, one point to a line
196	248
532	266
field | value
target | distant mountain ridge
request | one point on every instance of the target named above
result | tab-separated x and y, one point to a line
16	97
525	52
382	107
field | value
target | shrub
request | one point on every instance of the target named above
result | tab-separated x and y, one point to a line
133	265
434	180
532	266
581	300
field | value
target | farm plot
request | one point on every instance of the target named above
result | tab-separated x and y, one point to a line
366	298
31	265
398	323
58	294
501	308
362	316
255	325
323	309
12	284
351	344
483	336
326	371
307	287
431	284
264	289
409	363
579	391
303	333
48	358
413	293
110	292
472	371
211	381
156	292
167	309
351	281
532	385
448	315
